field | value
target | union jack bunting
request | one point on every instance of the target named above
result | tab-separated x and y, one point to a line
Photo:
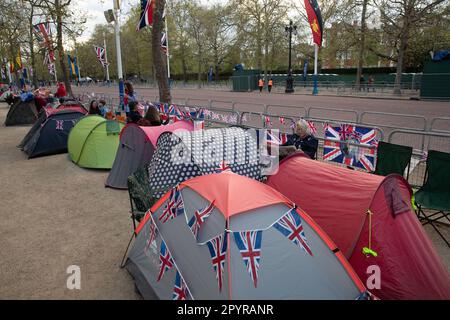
312	127
223	166
290	225
146	17
218	249
249	245
276	137
152	232
101	55
165	260
174	206
180	290
338	146
199	218
59	124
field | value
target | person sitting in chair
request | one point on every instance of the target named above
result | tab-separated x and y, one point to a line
303	140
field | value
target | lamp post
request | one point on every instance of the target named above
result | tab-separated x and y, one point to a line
113	16
289	30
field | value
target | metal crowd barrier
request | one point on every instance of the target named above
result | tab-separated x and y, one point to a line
440	124
348	115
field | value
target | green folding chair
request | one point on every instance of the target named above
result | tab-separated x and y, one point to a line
435	192
393	158
140	194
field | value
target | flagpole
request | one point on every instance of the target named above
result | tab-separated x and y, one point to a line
78	64
167	53
316	51
106	58
118	53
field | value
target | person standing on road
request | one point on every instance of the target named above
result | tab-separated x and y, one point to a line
270	84
261	84
370	83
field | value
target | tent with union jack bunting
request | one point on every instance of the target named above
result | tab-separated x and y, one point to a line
339	201
253	243
351	145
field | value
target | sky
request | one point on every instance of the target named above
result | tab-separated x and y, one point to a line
94	12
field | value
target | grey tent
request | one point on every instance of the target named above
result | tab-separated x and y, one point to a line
136	148
225	236
202	152
22	113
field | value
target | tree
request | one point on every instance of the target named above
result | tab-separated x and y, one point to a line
67	21
400	18
159	63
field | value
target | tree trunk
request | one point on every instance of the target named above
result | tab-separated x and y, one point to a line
159	63
62	61
199	69
33	58
401	55
362	42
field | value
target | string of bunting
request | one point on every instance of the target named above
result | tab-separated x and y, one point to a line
248	242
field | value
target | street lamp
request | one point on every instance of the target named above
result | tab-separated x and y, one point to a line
289	30
113	16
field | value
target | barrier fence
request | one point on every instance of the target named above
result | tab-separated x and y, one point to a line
402	129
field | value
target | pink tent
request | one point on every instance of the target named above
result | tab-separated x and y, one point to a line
339	200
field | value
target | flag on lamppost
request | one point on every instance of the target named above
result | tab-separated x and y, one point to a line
315	20
146	18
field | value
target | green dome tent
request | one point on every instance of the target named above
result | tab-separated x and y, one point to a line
93	142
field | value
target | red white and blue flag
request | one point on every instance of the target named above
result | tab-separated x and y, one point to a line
249	245
101	55
180	290
164	43
199	218
152	232
276	137
223	166
43	34
165	260
290	225
218	249
59	124
146	17
174	206
339	146
312	127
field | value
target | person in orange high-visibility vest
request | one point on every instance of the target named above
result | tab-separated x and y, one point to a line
261	84
270	84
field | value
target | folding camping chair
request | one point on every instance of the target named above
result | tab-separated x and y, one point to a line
141	200
140	194
393	158
435	192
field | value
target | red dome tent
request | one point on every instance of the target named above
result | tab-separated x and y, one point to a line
338	199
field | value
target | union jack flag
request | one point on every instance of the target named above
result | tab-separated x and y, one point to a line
164	43
312	127
290	225
59	124
338	149
174	206
223	166
180	289
152	232
101	55
43	33
249	245
165	260
275	137
217	249
199	218
146	18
